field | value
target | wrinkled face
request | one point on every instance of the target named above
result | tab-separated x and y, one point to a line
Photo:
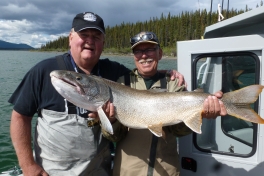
86	46
146	57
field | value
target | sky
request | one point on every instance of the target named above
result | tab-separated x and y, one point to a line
36	22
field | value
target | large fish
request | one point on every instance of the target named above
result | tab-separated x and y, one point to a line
147	109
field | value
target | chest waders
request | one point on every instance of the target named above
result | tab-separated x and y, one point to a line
65	145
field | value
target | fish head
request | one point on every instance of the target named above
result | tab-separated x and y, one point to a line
85	91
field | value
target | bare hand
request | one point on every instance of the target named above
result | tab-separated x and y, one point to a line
213	107
109	110
34	170
175	74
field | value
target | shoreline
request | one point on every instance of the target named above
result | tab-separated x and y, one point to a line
110	54
130	55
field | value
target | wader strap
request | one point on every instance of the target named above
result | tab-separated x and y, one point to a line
163	83
152	155
127	79
154	142
61	62
62	66
39	113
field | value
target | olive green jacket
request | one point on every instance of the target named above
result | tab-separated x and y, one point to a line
132	156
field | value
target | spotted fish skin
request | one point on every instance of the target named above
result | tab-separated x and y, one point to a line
141	109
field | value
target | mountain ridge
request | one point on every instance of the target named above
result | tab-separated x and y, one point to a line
7	45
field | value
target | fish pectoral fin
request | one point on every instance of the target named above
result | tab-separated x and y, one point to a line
194	122
156	129
106	125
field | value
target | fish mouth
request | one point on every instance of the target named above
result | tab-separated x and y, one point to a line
145	61
68	81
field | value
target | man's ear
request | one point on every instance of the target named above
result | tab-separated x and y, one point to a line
70	38
160	53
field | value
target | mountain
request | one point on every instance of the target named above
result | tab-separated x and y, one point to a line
8	46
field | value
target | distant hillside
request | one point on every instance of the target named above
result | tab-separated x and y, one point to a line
8	46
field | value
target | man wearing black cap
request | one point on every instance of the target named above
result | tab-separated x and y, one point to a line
139	152
67	141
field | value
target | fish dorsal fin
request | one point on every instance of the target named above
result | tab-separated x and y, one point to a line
157	90
199	90
106	125
156	129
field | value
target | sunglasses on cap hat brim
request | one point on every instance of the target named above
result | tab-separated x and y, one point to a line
144	37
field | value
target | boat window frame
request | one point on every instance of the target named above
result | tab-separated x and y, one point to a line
255	126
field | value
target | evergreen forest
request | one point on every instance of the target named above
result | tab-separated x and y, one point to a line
169	29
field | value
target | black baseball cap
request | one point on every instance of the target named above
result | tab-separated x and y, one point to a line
88	20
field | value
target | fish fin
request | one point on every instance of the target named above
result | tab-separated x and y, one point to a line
238	102
236	74
194	122
157	90
164	136
199	90
106	125
156	129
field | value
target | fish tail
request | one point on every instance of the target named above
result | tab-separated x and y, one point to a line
238	102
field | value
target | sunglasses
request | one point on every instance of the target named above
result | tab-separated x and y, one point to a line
148	51
145	37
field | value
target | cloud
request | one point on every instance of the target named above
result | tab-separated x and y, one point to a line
36	22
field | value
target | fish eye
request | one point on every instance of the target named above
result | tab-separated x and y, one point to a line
78	78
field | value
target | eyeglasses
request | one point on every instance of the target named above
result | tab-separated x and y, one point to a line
148	51
145	37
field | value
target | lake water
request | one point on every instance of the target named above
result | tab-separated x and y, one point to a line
13	67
